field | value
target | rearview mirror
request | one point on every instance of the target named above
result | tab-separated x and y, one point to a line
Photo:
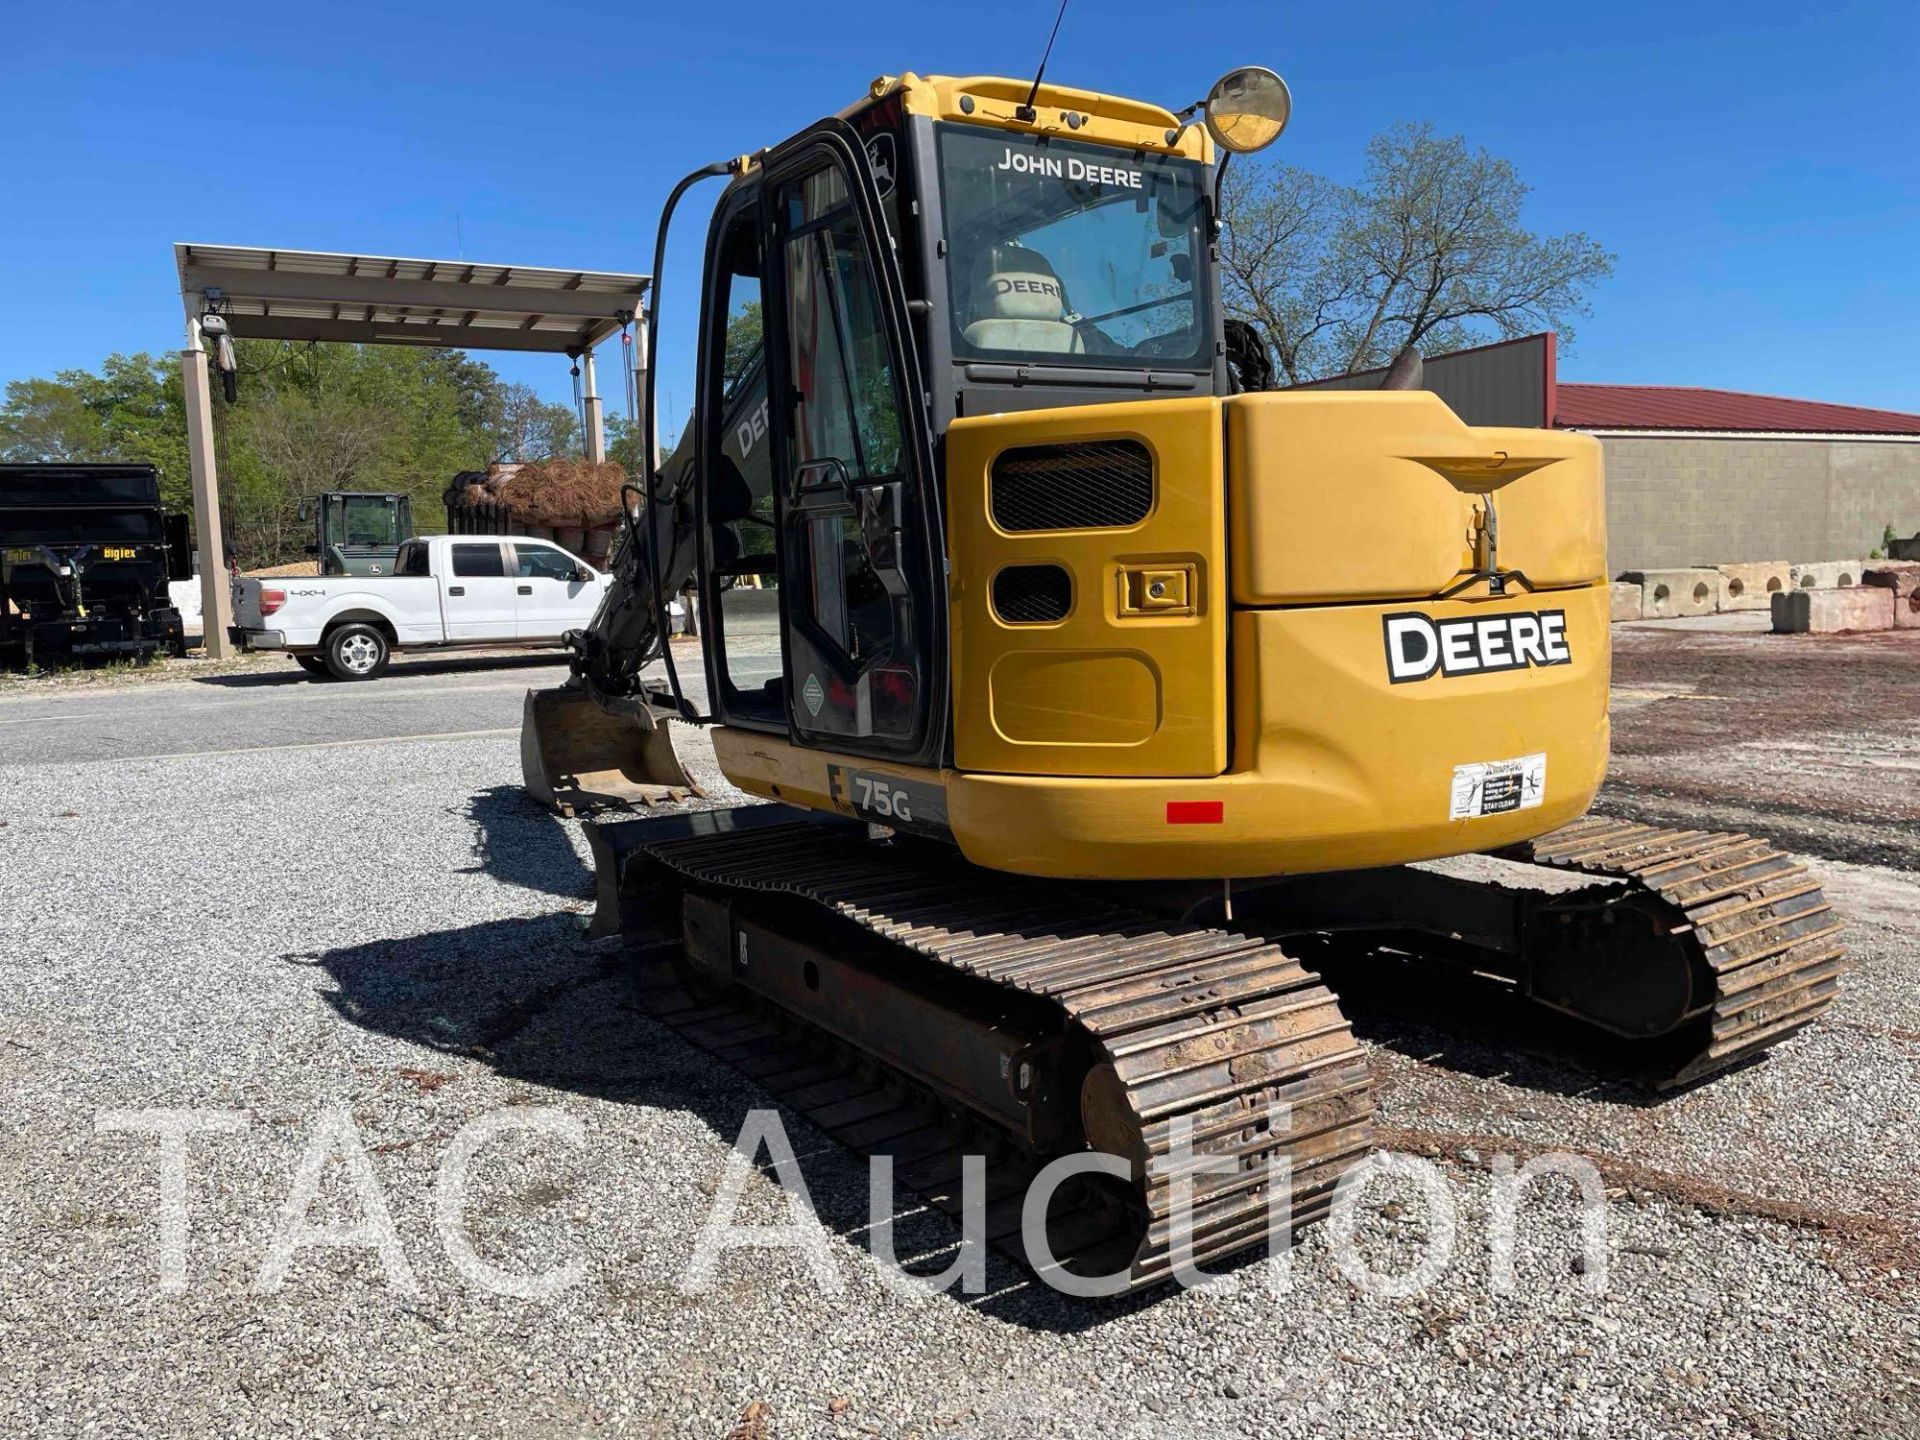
1247	109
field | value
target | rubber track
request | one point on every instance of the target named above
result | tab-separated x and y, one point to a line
1203	1027
1758	918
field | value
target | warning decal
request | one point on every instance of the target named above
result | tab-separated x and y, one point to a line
1494	787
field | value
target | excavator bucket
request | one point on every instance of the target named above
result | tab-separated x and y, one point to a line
577	757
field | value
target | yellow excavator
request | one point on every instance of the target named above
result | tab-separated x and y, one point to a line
1109	699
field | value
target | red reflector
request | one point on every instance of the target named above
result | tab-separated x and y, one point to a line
1195	812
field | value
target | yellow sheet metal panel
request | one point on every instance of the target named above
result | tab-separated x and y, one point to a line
1336	765
1553	522
1345	495
1133	680
903	796
1074	698
1102	119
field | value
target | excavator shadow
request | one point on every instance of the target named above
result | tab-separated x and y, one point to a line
1478	1030
533	999
403	668
518	843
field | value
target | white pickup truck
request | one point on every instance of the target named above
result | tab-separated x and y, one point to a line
445	590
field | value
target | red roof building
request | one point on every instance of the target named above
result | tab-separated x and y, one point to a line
1697	476
1580	406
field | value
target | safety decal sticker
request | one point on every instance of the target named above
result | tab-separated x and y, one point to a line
814	694
1493	787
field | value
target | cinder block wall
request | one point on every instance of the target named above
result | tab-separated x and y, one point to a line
1677	501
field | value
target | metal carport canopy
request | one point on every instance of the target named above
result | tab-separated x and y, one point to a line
318	295
390	300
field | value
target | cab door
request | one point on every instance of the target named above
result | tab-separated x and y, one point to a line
861	554
480	598
551	597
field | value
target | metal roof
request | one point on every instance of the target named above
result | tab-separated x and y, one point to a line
1686	407
389	300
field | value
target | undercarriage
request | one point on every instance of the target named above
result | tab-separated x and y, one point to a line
914	1005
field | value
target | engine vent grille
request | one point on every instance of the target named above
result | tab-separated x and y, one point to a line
1032	594
1082	485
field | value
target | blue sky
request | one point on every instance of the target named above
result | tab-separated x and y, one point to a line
1753	164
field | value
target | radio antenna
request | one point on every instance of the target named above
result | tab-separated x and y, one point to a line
1027	112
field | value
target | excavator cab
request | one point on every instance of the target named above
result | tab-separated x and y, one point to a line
978	512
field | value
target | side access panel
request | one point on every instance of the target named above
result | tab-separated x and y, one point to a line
1088	598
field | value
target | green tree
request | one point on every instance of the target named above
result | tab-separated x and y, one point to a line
745	335
1428	250
49	420
308	417
132	410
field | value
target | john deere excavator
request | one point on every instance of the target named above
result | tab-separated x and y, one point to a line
1098	688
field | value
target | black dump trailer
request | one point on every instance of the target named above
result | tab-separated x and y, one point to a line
85	555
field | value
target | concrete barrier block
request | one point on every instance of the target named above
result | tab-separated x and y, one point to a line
1667	593
1902	577
1827	612
1827	574
1752	586
1626	602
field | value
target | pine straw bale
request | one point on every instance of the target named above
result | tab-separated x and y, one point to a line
563	492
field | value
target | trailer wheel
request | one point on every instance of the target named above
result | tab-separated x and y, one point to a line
357	652
312	664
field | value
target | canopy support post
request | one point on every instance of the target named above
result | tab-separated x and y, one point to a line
216	600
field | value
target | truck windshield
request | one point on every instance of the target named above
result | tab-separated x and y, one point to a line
1072	254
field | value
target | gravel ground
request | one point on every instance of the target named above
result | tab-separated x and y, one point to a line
389	932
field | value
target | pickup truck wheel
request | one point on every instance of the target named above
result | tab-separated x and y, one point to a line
356	652
312	664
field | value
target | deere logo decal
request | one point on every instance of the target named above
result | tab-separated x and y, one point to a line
1073	167
1420	647
1003	286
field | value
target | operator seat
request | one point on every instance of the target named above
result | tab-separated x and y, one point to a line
1020	304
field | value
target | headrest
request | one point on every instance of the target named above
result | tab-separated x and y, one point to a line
1020	285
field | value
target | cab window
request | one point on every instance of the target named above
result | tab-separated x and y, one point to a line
477	560
543	562
1068	253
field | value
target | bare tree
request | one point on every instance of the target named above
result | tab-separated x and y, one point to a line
317	442
1427	251
522	426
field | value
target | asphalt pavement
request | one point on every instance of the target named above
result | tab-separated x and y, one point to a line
272	703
